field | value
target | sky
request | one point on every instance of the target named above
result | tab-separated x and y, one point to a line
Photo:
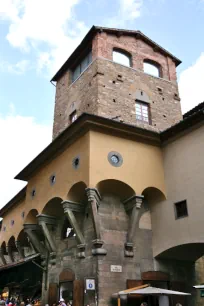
37	36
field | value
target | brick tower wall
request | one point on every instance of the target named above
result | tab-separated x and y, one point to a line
109	89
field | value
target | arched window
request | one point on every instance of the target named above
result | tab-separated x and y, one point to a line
152	68
122	57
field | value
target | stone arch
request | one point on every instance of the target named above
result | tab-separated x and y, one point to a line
77	192
116	187
53	208
153	195
186	251
12	243
31	217
66	275
23	239
155	66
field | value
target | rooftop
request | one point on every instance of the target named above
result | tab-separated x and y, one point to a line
89	37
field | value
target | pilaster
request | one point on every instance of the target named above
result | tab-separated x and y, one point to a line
94	199
132	206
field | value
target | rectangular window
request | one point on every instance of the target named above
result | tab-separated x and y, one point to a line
81	66
73	117
142	112
181	209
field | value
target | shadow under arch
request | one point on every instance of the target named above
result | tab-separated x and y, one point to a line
53	208
187	252
31	217
12	244
23	239
3	248
153	195
77	193
116	187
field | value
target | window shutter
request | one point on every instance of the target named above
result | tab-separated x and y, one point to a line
53	293
78	297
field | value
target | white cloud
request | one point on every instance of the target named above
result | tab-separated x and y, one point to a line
19	68
128	11
22	139
191	83
47	26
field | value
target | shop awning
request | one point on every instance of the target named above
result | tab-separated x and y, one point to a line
20	262
148	290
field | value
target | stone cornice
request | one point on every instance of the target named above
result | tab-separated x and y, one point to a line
74	206
51	220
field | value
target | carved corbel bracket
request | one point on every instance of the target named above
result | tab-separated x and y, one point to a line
70	207
132	206
32	230
44	221
81	248
94	199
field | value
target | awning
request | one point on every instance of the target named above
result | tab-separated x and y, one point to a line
148	290
20	262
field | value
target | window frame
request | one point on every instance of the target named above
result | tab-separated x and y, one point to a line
123	52
142	103
78	65
176	211
155	64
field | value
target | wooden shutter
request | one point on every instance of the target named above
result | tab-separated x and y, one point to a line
53	293
78	294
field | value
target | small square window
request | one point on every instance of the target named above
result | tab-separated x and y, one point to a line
181	209
73	117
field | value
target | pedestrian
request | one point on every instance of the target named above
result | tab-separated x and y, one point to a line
144	304
62	302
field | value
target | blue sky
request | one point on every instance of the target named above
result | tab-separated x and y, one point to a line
37	36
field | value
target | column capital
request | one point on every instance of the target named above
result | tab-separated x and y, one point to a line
73	206
134	201
50	220
32	227
93	194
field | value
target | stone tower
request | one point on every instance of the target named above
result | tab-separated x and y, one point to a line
118	74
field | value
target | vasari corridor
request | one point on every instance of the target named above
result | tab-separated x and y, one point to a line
112	213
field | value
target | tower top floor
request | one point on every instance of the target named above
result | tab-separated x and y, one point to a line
121	75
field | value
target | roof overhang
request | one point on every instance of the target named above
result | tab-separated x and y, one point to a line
81	126
89	37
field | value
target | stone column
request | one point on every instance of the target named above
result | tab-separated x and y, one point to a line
69	207
94	199
20	249
133	205
10	252
44	221
31	229
2	257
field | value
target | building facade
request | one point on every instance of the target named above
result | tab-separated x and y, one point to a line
116	199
